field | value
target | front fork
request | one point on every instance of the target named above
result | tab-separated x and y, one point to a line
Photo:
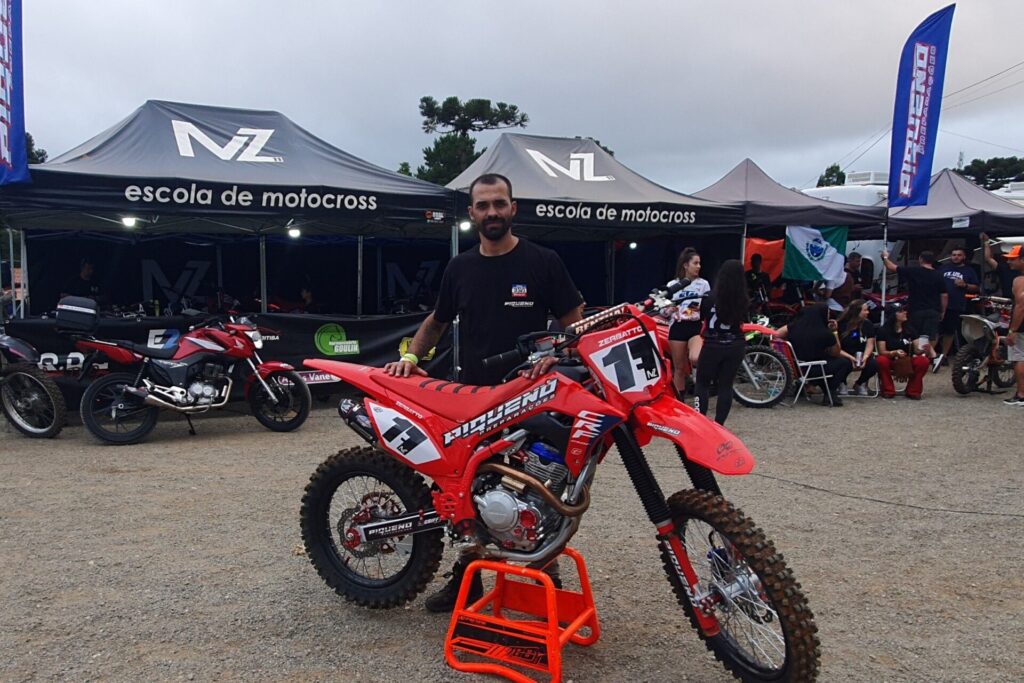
256	374
658	512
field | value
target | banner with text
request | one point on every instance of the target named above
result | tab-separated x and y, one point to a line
13	154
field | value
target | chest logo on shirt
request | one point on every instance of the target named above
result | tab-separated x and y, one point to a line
519	291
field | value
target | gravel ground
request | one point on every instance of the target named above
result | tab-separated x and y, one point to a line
179	559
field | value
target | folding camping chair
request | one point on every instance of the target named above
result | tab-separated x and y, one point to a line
807	371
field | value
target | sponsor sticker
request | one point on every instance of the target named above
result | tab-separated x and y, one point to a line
331	340
505	413
519	291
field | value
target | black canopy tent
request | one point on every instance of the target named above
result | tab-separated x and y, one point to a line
185	168
767	204
956	208
572	190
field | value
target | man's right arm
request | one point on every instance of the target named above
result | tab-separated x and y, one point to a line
889	265
987	245
426	338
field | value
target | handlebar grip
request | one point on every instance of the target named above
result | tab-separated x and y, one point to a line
505	358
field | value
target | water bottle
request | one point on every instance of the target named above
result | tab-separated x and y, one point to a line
860	357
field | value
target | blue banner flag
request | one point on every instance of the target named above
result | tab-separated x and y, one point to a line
915	121
13	154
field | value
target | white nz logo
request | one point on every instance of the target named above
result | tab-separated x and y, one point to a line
246	145
581	167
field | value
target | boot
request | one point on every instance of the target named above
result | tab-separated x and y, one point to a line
552	570
444	599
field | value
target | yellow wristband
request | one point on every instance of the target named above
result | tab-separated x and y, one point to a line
410	358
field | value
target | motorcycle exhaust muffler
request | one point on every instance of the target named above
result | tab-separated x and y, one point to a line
150	400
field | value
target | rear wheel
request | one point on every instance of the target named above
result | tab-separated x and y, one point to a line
32	401
114	416
966	368
292	404
356	486
767	631
763	379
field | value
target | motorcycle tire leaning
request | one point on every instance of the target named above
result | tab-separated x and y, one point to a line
45	383
322	545
94	390
777	589
779	362
966	367
258	403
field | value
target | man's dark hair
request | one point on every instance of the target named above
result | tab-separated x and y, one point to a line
926	257
491	179
963	249
755	260
854	254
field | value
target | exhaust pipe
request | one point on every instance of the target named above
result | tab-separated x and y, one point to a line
150	400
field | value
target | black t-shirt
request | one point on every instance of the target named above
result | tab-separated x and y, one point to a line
957	296
79	287
811	343
499	298
716	329
898	341
1006	276
758	283
856	340
926	287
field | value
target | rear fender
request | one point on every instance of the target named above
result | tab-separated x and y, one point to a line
356	375
117	354
704	442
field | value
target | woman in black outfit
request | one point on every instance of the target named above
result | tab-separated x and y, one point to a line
815	337
857	339
722	312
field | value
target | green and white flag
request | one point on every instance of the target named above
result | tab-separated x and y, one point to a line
815	254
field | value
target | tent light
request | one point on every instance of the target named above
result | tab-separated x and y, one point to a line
465	226
129	221
632	245
294	232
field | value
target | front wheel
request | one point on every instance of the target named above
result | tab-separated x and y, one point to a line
763	378
966	368
353	487
1002	374
113	415
32	401
767	631
292	404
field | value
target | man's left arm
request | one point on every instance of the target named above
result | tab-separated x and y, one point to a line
971	284
944	304
1018	310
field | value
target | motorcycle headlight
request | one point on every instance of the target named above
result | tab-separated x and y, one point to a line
256	337
244	320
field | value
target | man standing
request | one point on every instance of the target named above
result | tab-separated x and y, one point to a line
1004	274
1015	338
502	289
928	298
960	281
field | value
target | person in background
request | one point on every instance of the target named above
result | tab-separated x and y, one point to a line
960	281
1004	273
501	289
84	283
857	340
898	339
1015	337
686	317
839	297
759	285
309	302
815	337
723	344
928	298
854	266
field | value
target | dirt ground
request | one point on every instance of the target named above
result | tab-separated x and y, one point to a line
178	559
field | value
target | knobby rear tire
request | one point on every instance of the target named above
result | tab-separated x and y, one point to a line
321	540
968	357
780	590
49	389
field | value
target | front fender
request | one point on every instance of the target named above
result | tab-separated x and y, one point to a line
705	442
264	370
18	351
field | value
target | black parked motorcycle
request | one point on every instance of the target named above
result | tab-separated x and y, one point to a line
30	399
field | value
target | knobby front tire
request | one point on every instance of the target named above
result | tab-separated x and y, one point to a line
365	483
767	629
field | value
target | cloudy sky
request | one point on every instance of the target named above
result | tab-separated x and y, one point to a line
680	90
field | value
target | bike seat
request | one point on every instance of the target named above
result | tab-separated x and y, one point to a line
148	351
451	400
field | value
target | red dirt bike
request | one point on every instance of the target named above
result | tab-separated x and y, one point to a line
512	466
189	375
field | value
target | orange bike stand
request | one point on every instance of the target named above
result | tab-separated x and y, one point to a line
535	637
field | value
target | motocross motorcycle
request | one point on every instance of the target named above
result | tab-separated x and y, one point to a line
765	375
30	399
511	468
982	359
191	375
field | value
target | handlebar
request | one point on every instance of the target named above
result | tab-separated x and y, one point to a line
499	359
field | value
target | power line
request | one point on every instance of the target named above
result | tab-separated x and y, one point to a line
981	97
989	78
994	144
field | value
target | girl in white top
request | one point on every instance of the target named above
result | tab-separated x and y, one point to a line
686	318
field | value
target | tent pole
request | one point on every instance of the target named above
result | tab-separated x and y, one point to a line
359	275
609	269
743	246
380	279
10	253
263	273
456	368
24	274
220	269
885	271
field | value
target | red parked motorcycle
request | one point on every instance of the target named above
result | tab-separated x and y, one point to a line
190	375
512	466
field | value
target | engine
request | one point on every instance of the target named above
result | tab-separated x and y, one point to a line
516	516
207	385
